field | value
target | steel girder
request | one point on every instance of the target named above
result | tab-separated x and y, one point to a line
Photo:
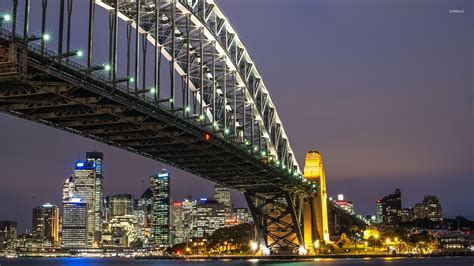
278	217
223	80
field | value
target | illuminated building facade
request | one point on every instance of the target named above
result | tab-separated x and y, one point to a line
222	195
144	214
8	236
242	215
121	204
378	211
210	216
88	181
45	226
177	226
74	224
189	217
348	206
160	186
429	208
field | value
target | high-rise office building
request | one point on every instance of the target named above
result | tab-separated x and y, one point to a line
222	195
74	224
121	204
210	216
177	226
160	186
8	236
68	188
88	181
392	208
242	215
121	228
189	217
144	214
378	211
46	224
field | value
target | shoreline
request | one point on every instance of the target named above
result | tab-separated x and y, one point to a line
262	258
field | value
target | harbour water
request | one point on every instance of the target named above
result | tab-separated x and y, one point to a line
441	261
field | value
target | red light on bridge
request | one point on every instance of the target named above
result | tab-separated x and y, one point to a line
207	137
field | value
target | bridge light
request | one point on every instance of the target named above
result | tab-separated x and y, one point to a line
152	90
255	148
247	142
207	137
187	109
215	124
283	166
226	131
316	244
80	53
201	117
171	100
107	67
253	246
46	37
7	17
302	251
131	79
263	153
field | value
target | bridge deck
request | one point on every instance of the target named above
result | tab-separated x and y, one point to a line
38	87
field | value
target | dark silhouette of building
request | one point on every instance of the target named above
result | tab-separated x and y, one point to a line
392	208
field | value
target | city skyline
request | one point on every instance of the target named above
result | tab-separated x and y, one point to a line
420	165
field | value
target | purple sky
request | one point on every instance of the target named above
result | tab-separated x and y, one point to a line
383	90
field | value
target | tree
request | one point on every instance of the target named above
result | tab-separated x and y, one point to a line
240	236
343	241
374	242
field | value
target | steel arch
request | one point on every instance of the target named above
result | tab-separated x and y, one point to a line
249	114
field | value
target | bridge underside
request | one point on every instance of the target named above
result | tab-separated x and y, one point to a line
40	89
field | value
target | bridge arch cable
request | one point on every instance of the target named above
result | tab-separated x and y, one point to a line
230	87
220	84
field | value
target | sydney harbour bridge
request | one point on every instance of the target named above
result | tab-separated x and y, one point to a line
172	81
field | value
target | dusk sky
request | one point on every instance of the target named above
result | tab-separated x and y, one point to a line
383	89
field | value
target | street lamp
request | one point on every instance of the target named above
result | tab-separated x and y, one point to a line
45	37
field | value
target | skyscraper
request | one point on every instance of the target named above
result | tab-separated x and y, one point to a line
160	186
222	195
392	208
75	221
46	224
68	188
8	237
177	226
378	211
88	182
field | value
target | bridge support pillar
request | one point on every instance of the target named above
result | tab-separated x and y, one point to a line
278	217
314	171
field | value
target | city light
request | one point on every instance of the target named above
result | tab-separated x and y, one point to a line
316	244
131	79
253	246
46	37
80	53
302	251
7	17
226	131
187	109
107	67
152	90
